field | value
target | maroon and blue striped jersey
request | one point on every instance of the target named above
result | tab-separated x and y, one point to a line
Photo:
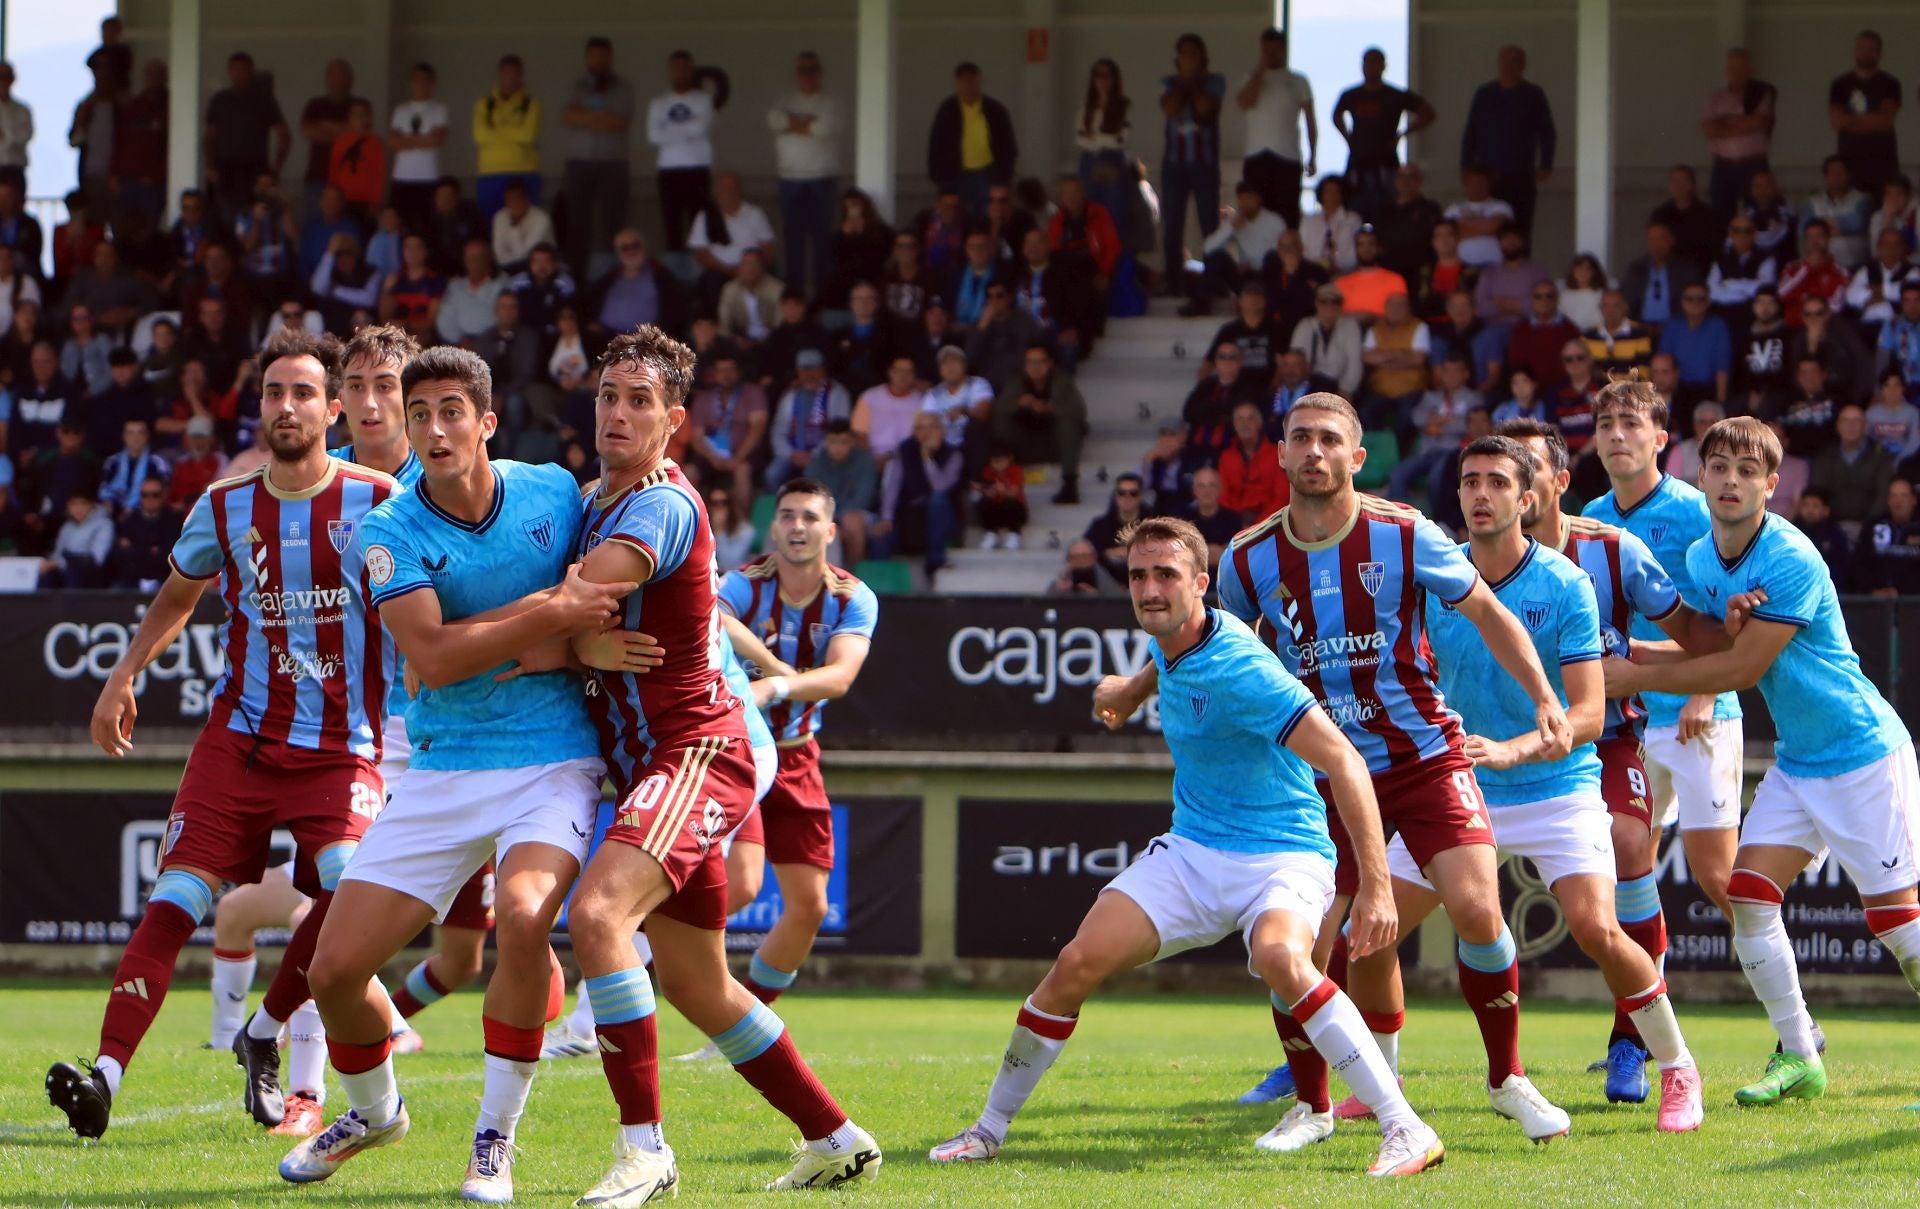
1628	582
798	632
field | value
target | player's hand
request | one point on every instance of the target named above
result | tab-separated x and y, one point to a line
113	716
585	607
1489	753
548	656
620	651
1113	701
1556	733
1622	676
1372	925
763	692
1695	717
1740	606
411	679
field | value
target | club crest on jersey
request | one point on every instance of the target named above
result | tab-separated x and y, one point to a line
1658	532
1372	576
1199	698
819	632
594	540
540	530
1534	613
340	533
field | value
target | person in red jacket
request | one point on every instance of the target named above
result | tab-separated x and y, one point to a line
1815	275
358	163
1084	227
1251	481
1536	341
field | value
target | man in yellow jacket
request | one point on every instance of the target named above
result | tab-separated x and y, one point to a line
506	129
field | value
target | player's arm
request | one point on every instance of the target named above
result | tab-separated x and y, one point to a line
1586	714
846	654
441	654
748	646
1315	739
1694	632
1507	639
1738	667
1117	698
166	616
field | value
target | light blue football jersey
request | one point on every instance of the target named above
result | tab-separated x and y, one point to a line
1227	708
1670	519
523	546
1553	599
406	476
1829	718
758	732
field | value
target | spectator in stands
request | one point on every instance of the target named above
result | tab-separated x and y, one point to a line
1081	574
635	291
1847	212
62	469
942	232
904	284
1898	212
1237	248
1808	414
1861	107
83	358
242	119
1683	457
412	296
861	352
728	422
1581	289
1655	281
734	537
16	131
1041	416
1833	343
1054	297
19	230
1086	243
1760	365
598	166
1395	351
1738	123
968	287
126	470
359	163
18	285
16	347
806	127
680	125
416	133
266	229
1814	517
1892	422
1502	292
1331	341
1101	133
1444	274
1888	557
917	488
1001	509
1523	399
1406	225
1900	339
1509	130
1275	100
454	221
160	368
1776	223
1008	223
1618	344
1208	411
1701	346
1874	295
1458	327
1695	226
996	345
198	467
1291	281
797	330
1368	286
749	307
125	400
75	239
1217	523
1190	163
246	461
862	244
1257	335
801	418
1440	420
971	145
518	228
511	350
724	228
79	555
963	402
193	399
145	537
466	309
1370	117
322	121
107	289
343	285
506	130
1739	271
1126	506
140	132
1290	384
1328	234
1853	470
883	415
1479	218
847	468
1252	484
1538	341
543	288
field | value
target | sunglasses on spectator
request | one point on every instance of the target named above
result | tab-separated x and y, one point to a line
1126	493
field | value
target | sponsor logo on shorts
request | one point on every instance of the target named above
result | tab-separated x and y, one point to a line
379	565
176	823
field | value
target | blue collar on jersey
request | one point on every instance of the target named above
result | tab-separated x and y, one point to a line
1213	627
1533	546
1657	489
1766	518
346	454
493	514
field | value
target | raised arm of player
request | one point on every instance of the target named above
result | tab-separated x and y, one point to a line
115	711
1738	667
1586	714
1117	698
441	653
1318	741
1507	639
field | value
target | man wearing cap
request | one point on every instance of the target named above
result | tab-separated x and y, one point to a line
1237	247
964	402
801	418
1330	340
197	468
598	165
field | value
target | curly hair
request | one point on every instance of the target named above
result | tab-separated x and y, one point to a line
298	342
381	344
649	348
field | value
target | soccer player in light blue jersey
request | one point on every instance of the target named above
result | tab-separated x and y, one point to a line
1844	778
1548	810
1248	852
471	572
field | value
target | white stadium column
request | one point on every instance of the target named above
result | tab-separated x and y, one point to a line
1593	129
1039	155
874	117
184	81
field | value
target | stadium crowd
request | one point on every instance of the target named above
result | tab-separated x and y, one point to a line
924	369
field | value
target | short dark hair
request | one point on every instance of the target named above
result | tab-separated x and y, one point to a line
650	348
123	356
838	425
510	60
426	69
1811	223
1818	493
240	56
1558	456
1504	447
599	42
298	342
1326	400
1634	396
382	344
1171	529
1245	186
680	54
1742	437
451	363
1273	33
805	486
966	67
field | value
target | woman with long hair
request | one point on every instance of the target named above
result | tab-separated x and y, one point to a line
1580	292
862	245
1101	135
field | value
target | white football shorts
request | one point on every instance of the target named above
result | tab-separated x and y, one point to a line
1869	818
1196	895
1562	836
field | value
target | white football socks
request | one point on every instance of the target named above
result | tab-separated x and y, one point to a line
307	1052
1766	954
374	1094
1659	1030
1338	1032
232	979
1029	1055
508	1085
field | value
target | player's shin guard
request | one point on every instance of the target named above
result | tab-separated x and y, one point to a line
513	1057
420	991
307	1053
1308	1066
762	1050
1490	983
1898	928
1766	955
766	982
1651	1015
233	972
177	905
622	1018
288	990
366	1075
1339	1037
1636	904
1038	1038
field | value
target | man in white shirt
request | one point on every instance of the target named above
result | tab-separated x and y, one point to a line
518	228
964	402
680	124
719	250
1237	247
1275	100
1479	216
16	131
598	168
806	129
417	132
466	309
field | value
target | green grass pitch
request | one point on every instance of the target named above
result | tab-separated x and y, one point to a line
1139	1111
